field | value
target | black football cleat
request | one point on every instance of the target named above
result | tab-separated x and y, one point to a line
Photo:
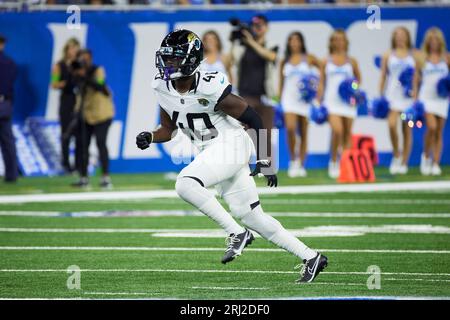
312	267
83	183
236	244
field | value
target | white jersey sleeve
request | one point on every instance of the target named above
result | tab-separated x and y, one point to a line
214	86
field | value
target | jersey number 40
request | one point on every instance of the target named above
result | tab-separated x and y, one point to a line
192	131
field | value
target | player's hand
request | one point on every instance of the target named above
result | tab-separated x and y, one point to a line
272	180
143	140
247	38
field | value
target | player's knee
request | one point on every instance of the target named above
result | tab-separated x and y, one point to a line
432	127
239	210
184	186
291	130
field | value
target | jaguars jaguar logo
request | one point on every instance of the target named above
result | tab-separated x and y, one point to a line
203	102
192	38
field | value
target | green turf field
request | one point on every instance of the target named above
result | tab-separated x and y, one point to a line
177	252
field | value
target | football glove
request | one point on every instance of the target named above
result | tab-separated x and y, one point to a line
272	180
143	140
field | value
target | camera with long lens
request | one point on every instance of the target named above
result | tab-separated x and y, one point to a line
78	64
238	27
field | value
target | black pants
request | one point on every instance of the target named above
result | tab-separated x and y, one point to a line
84	135
66	118
8	147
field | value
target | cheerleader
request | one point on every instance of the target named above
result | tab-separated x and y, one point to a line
296	65
214	59
335	69
397	60
430	70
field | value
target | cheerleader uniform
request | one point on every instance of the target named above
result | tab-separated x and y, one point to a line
333	102
215	66
290	97
394	92
431	74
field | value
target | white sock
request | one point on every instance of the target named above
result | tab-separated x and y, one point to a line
273	231
191	191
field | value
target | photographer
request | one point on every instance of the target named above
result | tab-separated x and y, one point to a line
63	79
255	61
95	113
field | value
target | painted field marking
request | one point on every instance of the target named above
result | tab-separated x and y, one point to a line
357	201
224	271
314	231
228	288
78	248
121	293
176	213
129	195
415	279
339	283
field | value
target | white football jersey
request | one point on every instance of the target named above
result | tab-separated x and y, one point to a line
194	111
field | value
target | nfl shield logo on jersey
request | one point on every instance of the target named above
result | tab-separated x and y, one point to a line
203	102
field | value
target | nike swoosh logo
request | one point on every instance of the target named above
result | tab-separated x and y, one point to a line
313	269
241	247
223	80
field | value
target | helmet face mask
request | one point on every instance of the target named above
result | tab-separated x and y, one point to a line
179	56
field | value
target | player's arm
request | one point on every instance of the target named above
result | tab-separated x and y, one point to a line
417	76
322	81
356	70
383	73
56	81
162	134
281	78
237	108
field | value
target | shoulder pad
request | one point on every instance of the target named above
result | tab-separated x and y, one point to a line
157	81
211	83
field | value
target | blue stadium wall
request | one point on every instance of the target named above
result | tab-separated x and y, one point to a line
124	43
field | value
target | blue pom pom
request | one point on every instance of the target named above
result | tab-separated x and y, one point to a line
319	115
380	108
361	104
406	80
348	91
377	61
308	87
443	87
279	117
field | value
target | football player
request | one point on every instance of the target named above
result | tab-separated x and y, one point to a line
201	105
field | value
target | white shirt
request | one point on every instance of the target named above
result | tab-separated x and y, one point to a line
431	74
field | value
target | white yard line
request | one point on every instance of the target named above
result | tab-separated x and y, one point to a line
176	213
312	231
228	271
78	248
121	293
151	194
357	201
323	231
228	288
416	279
